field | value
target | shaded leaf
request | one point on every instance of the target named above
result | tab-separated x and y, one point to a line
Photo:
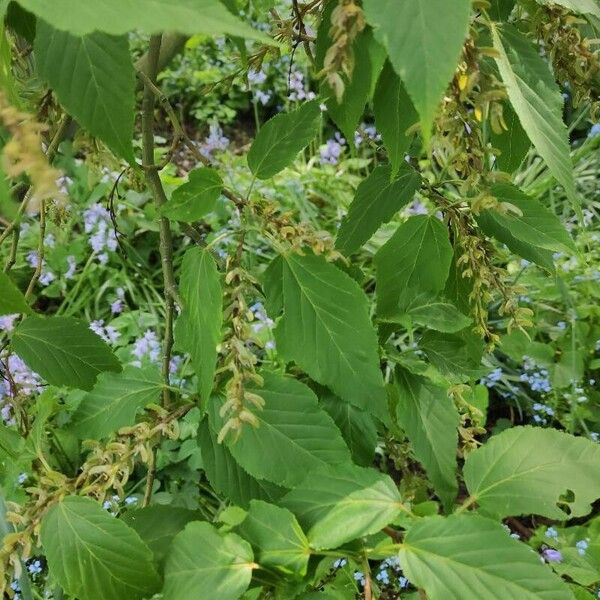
94	80
513	143
430	420
377	199
456	356
157	526
11	299
394	115
417	256
501	9
227	477
357	427
347	113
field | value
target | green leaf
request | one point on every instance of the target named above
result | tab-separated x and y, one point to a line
536	225
430	420
11	299
347	113
12	442
94	80
276	537
294	432
536	99
63	350
494	228
357	427
281	139
94	556
526	470
194	199
583	568
20	21
587	7
513	143
157	526
580	593
326	329
417	256
45	405
394	115
458	288
430	312
500	9
198	328
424	39
204	564
227	477
456	356
115	400
377	199
209	17
466	556
338	504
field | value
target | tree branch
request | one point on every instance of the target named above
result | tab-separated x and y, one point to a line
158	194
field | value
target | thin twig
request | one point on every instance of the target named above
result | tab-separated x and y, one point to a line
155	186
150	479
303	36
368	591
12	257
40	258
180	133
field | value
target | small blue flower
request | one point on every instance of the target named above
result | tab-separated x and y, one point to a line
552	555
493	377
383	577
22	478
582	546
35	567
594	132
339	563
551	533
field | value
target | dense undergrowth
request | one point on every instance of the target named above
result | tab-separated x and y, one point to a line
301	302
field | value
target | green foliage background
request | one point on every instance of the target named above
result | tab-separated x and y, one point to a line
299	300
